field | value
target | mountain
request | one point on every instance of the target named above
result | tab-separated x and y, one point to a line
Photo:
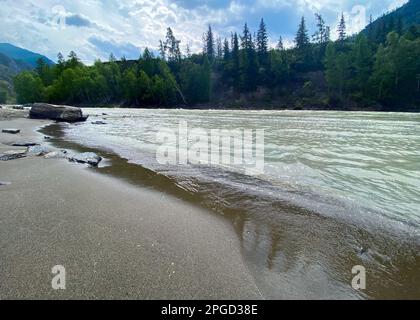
14	60
22	55
399	20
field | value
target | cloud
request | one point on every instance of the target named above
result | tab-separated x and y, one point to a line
119	50
126	26
78	21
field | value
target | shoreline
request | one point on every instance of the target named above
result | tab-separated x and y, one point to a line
116	241
214	107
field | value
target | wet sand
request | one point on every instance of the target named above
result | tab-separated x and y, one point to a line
116	240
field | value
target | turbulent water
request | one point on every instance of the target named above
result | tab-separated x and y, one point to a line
338	190
357	166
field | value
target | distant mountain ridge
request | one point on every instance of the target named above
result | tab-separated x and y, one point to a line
14	60
403	17
22	55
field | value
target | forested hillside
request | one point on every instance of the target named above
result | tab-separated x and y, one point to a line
9	68
399	20
379	69
14	60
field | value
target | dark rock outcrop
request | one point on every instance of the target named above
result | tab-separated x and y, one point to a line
56	112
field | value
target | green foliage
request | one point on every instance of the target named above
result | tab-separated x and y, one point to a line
3	95
29	87
195	82
396	69
148	81
358	69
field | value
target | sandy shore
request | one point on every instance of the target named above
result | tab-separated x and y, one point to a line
114	239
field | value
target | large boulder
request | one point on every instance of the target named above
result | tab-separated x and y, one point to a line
56	112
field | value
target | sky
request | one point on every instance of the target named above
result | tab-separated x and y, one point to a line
94	28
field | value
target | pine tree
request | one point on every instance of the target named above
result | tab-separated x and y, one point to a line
262	44
73	60
209	44
60	59
303	48
327	34
61	63
188	51
219	48
249	65
302	38
370	29
246	39
171	47
235	61
226	50
320	36
162	50
280	45
112	58
342	29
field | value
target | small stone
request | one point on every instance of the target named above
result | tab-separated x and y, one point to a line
98	122
87	158
11	131
25	144
4	183
47	137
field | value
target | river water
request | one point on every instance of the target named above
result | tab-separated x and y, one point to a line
337	189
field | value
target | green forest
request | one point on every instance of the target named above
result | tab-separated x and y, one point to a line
378	69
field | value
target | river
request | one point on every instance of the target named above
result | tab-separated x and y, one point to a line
336	190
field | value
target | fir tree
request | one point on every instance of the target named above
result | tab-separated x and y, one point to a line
209	44
342	29
280	45
262	44
302	38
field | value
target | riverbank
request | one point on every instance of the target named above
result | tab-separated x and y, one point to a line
115	240
287	245
300	245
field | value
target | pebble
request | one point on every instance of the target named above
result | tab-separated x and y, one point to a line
11	131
